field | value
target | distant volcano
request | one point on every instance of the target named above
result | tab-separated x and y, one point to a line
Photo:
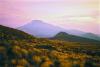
40	29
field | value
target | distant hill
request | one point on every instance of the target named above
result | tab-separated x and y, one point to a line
39	28
10	33
83	34
72	38
91	36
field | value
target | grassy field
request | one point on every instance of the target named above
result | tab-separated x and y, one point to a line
48	53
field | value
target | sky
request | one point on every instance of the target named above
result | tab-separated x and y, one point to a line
82	15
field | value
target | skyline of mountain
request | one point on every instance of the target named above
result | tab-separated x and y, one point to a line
42	29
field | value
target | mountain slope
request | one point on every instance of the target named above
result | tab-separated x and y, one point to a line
39	28
72	38
10	33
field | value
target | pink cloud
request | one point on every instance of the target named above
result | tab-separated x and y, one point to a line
19	12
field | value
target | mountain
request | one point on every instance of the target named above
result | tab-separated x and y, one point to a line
10	33
91	36
39	28
72	38
42	29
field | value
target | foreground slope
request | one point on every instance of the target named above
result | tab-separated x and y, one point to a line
10	33
17	51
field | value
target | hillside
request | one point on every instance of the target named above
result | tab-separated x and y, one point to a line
10	33
72	38
19	49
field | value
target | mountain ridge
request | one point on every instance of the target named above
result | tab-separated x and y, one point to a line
68	37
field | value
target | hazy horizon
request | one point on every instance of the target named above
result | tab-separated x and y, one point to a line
80	15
